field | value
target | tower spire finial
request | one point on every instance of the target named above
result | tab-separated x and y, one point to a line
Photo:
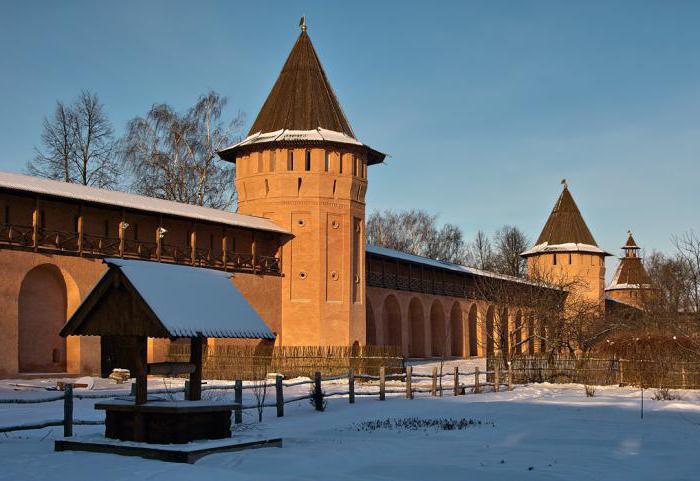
564	183
302	23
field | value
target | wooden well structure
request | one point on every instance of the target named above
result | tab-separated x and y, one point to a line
135	300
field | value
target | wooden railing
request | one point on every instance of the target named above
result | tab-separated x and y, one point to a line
55	241
404	283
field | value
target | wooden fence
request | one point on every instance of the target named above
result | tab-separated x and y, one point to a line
254	362
622	372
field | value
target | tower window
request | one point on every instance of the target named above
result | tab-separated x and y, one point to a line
554	259
290	160
298	185
260	162
326	161
267	187
340	163
273	158
334	188
307	161
354	165
569	258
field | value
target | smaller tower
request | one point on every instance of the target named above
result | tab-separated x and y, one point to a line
631	283
566	252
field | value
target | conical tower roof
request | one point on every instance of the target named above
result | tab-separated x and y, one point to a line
565	229
302	98
301	109
630	273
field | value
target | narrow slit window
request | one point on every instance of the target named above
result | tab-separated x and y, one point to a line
340	163
260	162
307	161
326	161
569	258
298	185
554	259
273	158
334	188
267	187
290	160
354	165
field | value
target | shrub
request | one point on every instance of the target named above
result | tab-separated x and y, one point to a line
665	394
590	390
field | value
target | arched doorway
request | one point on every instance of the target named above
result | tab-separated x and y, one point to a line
43	305
490	333
473	336
417	322
518	333
438	344
457	330
391	317
371	325
503	331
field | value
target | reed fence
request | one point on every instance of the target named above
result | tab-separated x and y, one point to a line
254	362
669	374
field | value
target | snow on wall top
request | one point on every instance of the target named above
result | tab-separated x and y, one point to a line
193	301
37	185
386	252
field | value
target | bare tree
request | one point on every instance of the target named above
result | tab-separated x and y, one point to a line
510	243
480	252
416	232
174	156
78	145
260	392
688	253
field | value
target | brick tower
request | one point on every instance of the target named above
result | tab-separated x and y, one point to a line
566	251
631	283
302	166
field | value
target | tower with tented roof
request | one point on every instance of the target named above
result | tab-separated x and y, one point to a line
567	253
631	283
302	166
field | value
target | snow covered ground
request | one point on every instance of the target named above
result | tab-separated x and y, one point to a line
536	432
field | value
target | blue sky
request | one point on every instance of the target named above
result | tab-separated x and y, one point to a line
482	106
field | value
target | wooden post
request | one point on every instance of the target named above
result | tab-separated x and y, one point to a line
139	349
409	389
318	396
122	228
620	373
193	244
158	243
68	410
224	249
496	377
279	391
433	391
238	399
35	225
456	382
187	389
382	383
510	377
80	230
351	386
476	380
684	379
196	344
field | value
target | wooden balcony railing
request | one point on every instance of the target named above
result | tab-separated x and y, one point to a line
54	241
403	283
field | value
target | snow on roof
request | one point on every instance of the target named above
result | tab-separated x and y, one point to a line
285	135
192	301
567	247
386	252
38	185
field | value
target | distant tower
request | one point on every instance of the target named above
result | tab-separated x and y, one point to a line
302	166
631	283
566	251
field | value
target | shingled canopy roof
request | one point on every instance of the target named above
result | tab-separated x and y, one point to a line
630	273
565	230
301	108
142	298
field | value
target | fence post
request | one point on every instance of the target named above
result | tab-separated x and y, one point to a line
496	377
621	378
318	397
684	379
351	386
433	390
238	399
68	410
133	389
456	386
510	377
409	389
476	380
279	395
382	383
187	389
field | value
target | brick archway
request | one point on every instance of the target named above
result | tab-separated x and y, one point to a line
473	331
371	326
41	349
391	318
457	330
438	337
416	322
